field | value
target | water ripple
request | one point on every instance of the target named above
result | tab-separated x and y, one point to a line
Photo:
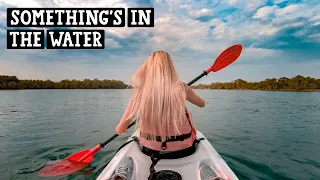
261	135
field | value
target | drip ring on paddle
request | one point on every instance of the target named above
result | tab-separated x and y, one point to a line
167	175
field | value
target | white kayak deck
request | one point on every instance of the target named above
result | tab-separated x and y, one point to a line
188	166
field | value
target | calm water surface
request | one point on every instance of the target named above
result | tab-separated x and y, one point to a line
261	135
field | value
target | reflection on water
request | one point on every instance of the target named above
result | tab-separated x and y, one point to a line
261	135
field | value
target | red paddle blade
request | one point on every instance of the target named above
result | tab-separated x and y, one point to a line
61	167
71	164
78	156
227	57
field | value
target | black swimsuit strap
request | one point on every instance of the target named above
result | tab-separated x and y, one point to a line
171	138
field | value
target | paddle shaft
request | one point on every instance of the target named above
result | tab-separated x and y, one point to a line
197	78
132	123
114	136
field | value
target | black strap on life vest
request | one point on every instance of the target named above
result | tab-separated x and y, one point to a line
156	156
170	138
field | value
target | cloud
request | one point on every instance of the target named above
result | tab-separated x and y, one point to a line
265	12
201	12
3	20
185	32
292	20
3	16
256	55
315	18
252	5
315	37
91	3
185	6
278	1
246	5
269	32
232	2
288	13
110	43
64	3
21	3
288	10
219	30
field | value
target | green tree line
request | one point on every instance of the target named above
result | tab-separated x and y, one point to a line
12	82
297	83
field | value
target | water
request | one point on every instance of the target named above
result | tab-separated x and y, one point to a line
261	135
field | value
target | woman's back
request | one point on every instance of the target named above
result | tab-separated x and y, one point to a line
183	126
159	101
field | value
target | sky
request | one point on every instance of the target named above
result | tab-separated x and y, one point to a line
280	38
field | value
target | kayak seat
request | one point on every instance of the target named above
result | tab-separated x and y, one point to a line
156	156
167	174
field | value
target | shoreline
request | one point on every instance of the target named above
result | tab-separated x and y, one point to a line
279	90
295	84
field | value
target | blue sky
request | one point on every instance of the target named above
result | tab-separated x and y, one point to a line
280	38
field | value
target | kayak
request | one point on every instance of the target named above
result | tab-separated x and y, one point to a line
187	167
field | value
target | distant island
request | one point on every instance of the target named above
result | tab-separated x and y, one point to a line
297	83
12	82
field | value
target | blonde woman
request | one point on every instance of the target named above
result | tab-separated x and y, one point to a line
158	105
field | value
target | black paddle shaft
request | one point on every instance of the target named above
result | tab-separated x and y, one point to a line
114	136
197	78
132	123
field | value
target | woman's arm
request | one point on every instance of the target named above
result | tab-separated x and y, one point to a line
194	98
122	127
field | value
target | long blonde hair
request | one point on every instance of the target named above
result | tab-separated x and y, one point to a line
159	100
